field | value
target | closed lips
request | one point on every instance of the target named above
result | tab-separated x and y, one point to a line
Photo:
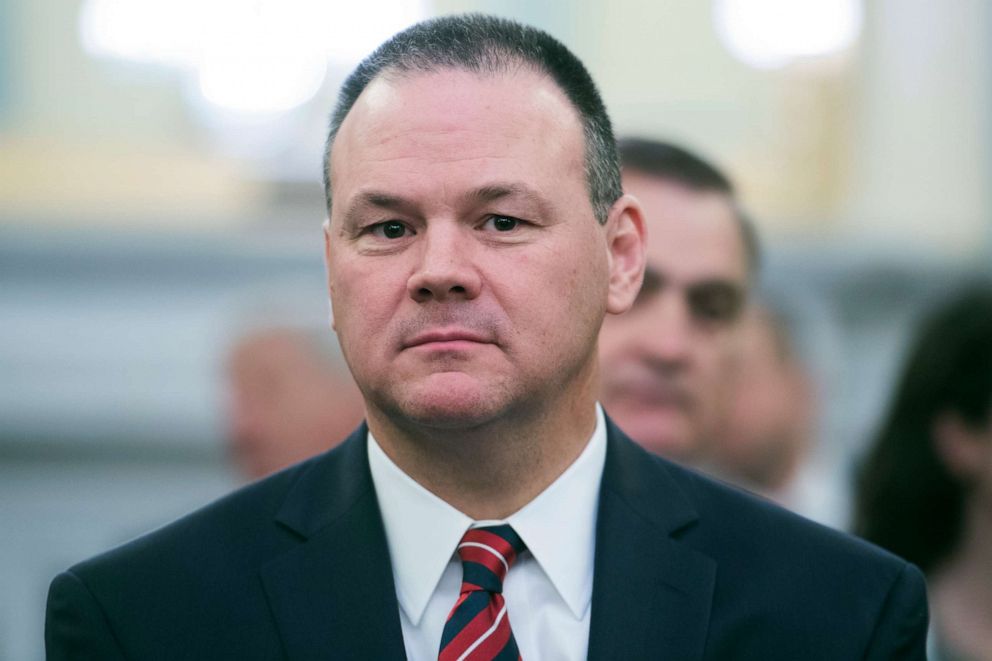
446	336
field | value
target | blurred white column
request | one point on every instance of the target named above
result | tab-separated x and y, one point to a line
921	154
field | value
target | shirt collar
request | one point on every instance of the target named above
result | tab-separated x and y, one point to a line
421	529
558	526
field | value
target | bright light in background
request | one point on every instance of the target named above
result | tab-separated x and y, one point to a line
248	56
772	33
260	57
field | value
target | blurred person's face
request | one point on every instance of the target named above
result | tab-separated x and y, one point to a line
965	449
768	421
468	274
665	362
984	441
286	403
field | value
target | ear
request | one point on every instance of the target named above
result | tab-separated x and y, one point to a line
327	269
626	237
963	449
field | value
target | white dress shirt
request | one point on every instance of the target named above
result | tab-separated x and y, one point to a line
547	591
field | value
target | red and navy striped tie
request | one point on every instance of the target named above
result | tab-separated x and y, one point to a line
478	628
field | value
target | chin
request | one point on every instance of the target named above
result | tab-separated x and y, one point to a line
448	414
457	405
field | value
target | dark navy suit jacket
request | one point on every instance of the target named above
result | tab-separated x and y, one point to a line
296	567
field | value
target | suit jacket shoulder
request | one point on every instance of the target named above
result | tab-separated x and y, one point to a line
296	566
745	578
270	571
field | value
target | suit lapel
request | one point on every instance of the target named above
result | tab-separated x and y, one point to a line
332	596
651	594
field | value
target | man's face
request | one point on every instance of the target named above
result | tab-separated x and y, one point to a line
467	272
286	403
768	418
664	363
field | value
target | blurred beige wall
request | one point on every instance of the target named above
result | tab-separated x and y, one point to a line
91	142
923	141
780	132
888	143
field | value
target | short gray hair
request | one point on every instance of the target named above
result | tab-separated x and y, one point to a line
486	44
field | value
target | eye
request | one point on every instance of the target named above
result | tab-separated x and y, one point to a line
502	223
718	303
391	229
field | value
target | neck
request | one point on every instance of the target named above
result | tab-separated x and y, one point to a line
962	588
520	453
783	461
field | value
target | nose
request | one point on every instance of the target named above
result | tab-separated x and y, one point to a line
446	269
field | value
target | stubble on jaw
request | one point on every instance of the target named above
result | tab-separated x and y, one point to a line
492	469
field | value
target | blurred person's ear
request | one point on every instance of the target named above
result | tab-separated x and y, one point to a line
965	449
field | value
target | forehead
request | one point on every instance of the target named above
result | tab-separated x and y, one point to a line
458	123
692	235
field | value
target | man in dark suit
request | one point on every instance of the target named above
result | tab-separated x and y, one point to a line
477	237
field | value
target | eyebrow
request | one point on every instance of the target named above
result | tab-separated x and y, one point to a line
483	194
379	199
497	191
374	199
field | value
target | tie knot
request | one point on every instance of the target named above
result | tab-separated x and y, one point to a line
487	553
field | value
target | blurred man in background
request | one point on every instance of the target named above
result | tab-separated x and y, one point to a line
765	440
765	434
291	397
665	362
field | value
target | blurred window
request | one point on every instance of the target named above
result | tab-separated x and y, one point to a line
257	57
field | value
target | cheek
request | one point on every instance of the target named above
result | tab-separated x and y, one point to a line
713	367
365	292
718	348
526	295
587	281
362	303
568	294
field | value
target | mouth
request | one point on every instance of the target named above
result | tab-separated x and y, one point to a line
455	338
